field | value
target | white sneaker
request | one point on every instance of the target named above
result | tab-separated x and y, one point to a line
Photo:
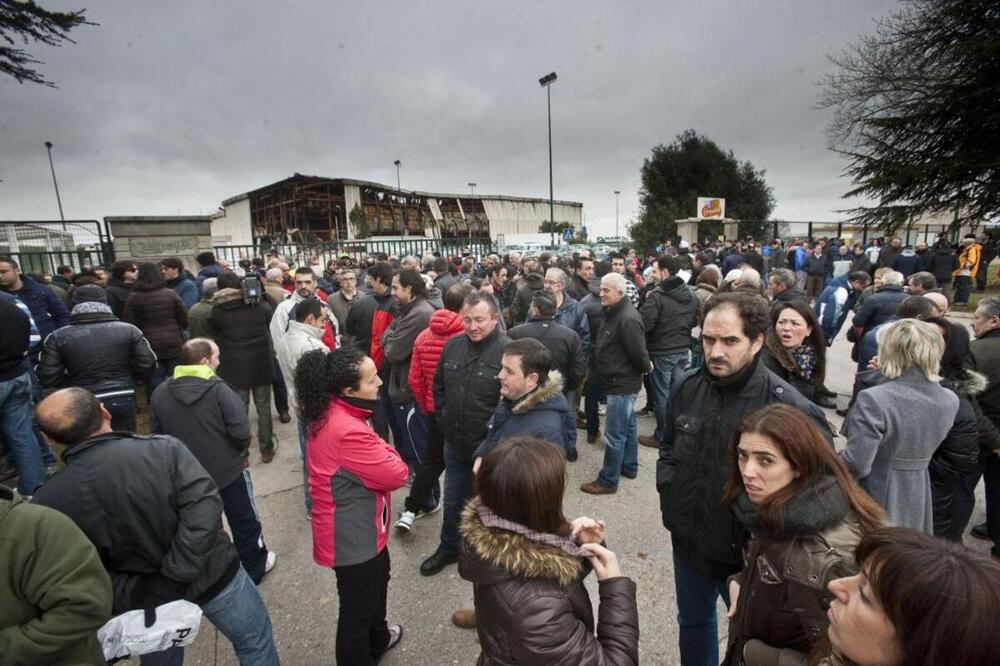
405	522
272	559
602	410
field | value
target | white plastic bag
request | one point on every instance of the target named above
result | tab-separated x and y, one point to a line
127	635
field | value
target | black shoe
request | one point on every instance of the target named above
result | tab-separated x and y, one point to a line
284	417
592	437
826	401
841	412
437	562
629	476
980	532
572	455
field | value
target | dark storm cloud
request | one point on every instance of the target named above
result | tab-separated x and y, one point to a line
172	107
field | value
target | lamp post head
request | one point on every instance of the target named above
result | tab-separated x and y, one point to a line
547	79
48	144
618	191
397	163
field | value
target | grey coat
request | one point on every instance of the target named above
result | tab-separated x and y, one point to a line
892	432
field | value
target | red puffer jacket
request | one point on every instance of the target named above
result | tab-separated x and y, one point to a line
427	348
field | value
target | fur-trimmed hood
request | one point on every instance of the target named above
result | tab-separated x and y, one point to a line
971	383
492	555
227	295
553	386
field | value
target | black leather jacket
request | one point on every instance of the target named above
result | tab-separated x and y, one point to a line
96	352
467	390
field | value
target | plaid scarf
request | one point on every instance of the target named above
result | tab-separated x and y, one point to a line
490	519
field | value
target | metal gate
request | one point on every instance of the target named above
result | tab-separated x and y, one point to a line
42	247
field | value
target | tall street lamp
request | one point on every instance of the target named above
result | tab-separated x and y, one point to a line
546	82
617	192
472	189
399	194
48	145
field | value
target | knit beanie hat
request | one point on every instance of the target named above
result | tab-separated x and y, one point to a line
89	293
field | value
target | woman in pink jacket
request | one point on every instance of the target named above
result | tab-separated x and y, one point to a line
352	472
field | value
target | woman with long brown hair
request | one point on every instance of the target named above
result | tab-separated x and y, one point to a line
527	564
805	515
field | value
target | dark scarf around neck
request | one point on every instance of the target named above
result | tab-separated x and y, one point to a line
818	507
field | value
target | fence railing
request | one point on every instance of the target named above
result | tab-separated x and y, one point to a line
43	246
301	254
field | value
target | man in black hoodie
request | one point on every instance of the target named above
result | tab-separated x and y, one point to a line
197	407
668	315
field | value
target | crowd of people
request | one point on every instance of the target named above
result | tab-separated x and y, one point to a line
484	369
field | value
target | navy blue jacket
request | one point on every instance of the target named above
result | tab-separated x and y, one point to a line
540	414
47	310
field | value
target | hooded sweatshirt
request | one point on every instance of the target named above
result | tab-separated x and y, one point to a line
200	409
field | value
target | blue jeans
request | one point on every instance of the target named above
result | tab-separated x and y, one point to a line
305	467
697	597
122	410
666	370
239	613
591	399
621	452
991	480
569	423
15	420
164	371
458	489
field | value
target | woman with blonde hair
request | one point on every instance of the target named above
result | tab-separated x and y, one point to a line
894	428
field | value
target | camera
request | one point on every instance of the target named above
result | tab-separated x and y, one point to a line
251	290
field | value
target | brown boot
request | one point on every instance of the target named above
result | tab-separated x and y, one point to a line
464	619
598	488
650	441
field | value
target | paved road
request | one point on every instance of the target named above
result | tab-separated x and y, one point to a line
302	597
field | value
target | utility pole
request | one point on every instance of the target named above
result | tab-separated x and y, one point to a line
617	193
48	145
546	82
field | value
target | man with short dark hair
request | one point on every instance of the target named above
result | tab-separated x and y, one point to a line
466	391
696	459
304	334
413	314
921	283
583	273
99	353
837	300
565	351
668	315
444	325
782	286
172	270
47	310
167	541
367	320
200	409
15	397
985	351
123	275
209	268
531	402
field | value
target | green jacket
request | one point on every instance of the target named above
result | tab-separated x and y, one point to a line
55	592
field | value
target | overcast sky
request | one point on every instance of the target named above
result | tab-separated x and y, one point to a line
171	107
